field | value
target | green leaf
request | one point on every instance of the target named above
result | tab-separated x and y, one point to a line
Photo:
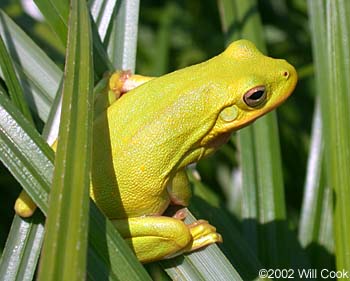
103	13
12	82
123	39
65	247
24	153
56	14
38	75
22	248
334	72
30	161
316	214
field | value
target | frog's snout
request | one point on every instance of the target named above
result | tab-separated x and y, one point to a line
289	74
288	70
293	76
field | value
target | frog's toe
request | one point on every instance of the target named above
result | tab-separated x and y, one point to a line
24	205
203	234
117	81
181	214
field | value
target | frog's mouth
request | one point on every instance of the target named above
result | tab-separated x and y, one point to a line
215	142
247	118
232	118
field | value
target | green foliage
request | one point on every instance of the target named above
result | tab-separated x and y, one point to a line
65	245
334	62
276	191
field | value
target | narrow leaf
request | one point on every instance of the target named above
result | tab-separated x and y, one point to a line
24	153
12	82
103	13
123	38
38	75
315	225
57	16
56	13
65	246
22	249
335	108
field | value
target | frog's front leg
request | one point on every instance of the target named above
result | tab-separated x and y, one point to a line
113	86
179	189
122	82
158	237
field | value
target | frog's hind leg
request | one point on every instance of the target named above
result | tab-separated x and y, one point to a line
158	237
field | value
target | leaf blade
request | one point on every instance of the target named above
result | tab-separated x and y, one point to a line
122	42
12	82
69	200
28	158
22	248
39	76
101	61
335	107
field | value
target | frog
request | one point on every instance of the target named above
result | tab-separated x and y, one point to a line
147	136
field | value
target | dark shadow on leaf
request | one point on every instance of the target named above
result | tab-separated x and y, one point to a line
276	245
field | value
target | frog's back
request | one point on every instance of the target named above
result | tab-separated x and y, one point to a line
139	141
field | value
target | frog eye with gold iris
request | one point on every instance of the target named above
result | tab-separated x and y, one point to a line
255	96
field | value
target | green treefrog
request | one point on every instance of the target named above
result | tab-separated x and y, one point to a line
144	140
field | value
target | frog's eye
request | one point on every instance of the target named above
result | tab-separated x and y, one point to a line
255	97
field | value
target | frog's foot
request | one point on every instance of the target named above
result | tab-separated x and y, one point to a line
113	86
24	206
180	214
122	82
159	237
203	234
117	82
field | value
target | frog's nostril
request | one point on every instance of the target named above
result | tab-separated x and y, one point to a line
285	74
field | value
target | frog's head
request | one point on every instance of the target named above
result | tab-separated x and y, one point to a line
256	84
